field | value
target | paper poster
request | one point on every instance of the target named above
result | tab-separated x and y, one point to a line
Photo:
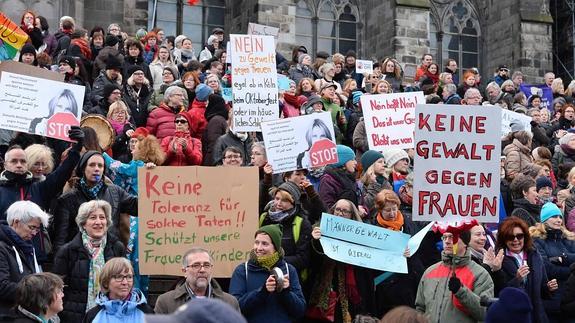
508	117
456	173
363	66
389	119
39	106
283	83
290	142
191	206
541	90
227	94
254	76
12	38
257	29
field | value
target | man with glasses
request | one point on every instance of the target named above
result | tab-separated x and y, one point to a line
197	266
450	290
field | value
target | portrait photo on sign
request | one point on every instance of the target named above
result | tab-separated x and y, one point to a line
63	102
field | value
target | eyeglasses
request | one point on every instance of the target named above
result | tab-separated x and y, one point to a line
233	157
33	228
120	278
342	211
519	236
181	121
198	266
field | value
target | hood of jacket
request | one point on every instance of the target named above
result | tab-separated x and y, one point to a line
121	306
8	178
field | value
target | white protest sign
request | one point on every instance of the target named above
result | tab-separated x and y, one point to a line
508	117
254	76
257	29
363	66
389	119
456	173
289	142
39	106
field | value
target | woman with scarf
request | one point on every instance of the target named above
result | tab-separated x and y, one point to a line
90	186
80	48
525	199
137	94
17	256
305	87
290	104
398	167
118	300
80	261
184	55
27	23
347	286
151	48
157	67
338	181
181	149
134	56
263	297
119	118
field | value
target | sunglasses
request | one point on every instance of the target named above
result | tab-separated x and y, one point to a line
180	121
519	236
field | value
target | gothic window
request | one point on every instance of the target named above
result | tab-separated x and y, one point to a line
178	17
303	23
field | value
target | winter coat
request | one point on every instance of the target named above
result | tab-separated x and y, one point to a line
228	140
121	145
568	299
217	127
336	184
199	122
41	193
20	315
540	138
535	286
157	97
453	99
518	158
137	103
440	304
561	157
50	41
360	142
191	154
298	72
14	265
156	69
526	211
259	305
139	61
72	263
161	121
102	59
98	87
115	306
169	302
65	227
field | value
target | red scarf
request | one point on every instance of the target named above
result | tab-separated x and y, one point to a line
84	47
292	99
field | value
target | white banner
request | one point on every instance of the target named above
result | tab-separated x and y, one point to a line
457	167
254	77
257	29
389	119
508	117
363	66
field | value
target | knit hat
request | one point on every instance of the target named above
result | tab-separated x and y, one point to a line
204	310
274	231
344	154
179	38
516	126
141	33
392	156
140	131
108	89
301	57
368	158
217	30
513	306
173	70
203	92
111	40
542	182
351	53
356	97
134	68
68	60
322	54
292	189
186	116
113	63
84	160
548	211
566	138
28	49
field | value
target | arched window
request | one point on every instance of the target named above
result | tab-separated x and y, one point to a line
335	25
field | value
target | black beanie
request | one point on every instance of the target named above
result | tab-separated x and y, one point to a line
68	60
134	68
84	160
108	89
28	49
113	63
111	40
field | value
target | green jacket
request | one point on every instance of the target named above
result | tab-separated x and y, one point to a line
336	111
436	300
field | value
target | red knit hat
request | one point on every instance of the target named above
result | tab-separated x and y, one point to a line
141	131
187	116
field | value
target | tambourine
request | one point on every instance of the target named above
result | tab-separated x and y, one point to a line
102	127
279	277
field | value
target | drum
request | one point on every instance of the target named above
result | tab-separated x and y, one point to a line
102	127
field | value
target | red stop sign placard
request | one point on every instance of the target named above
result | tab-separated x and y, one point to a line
59	124
323	152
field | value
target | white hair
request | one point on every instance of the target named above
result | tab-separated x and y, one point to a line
87	208
26	211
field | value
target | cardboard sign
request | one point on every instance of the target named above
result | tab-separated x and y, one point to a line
254	76
541	90
508	117
457	152
257	29
363	66
389	119
12	38
29	102
289	141
184	207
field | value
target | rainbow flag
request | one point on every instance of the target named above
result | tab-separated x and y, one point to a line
12	38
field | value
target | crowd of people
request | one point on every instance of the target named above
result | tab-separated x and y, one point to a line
69	230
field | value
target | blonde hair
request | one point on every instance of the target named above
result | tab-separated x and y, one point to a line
284	196
118	105
557	86
570	89
37	152
113	267
570	177
539	231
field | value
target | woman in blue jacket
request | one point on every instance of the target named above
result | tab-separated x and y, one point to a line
262	296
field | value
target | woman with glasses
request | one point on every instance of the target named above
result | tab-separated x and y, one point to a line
118	300
181	149
522	265
80	261
40	161
17	255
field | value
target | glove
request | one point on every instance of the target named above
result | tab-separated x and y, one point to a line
76	133
454	284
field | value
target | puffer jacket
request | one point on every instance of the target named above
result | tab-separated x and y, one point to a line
183	156
66	209
199	122
130	310
442	306
157	97
560	157
518	158
161	121
98	86
72	263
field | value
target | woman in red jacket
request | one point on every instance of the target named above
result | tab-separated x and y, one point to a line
181	149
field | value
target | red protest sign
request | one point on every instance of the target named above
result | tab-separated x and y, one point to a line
59	124
323	152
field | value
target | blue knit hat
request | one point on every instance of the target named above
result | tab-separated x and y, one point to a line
368	158
344	154
513	306
356	96
549	210
203	92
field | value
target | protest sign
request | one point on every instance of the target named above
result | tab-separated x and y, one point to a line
361	244
389	119
283	83
254	87
541	90
12	38
39	106
289	142
183	207
457	168
257	29
363	66
227	94
509	117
